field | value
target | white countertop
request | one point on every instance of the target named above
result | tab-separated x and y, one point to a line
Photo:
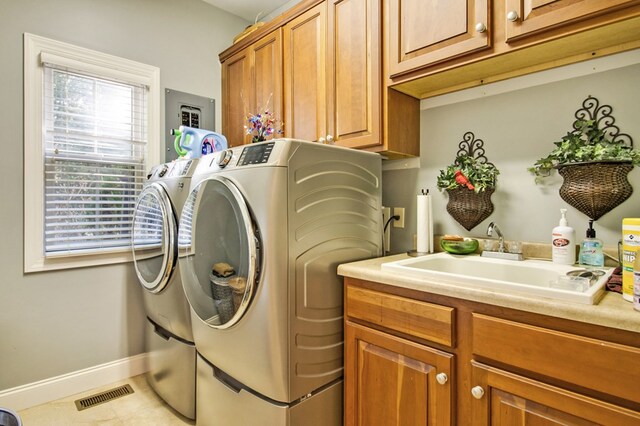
611	311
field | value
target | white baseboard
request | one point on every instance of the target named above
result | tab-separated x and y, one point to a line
47	390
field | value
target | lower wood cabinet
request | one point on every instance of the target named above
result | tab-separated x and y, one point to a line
393	381
414	358
501	398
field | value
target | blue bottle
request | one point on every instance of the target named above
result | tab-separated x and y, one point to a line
591	253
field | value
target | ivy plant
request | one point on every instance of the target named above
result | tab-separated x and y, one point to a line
584	144
468	172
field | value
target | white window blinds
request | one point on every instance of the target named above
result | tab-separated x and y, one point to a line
95	136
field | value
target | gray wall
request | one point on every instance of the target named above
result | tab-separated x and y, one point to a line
517	128
58	322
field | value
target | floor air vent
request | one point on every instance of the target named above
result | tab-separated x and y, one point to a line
93	400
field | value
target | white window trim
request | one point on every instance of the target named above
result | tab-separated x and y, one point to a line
36	50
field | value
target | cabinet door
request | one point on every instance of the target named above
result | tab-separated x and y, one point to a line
266	76
533	16
236	83
501	398
355	72
305	89
425	32
252	83
392	381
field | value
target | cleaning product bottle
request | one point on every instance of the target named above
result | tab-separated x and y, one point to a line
630	246
591	253
636	281
194	143
563	237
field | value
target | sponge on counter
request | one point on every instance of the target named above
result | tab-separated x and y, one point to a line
222	269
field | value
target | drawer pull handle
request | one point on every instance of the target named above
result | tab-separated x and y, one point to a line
477	392
442	378
512	16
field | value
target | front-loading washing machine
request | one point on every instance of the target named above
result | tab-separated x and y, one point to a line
261	235
168	335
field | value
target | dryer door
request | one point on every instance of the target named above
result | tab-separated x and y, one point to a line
154	238
218	249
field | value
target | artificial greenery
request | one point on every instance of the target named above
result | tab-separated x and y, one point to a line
468	172
585	143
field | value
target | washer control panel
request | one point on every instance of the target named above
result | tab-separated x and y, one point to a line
255	154
181	168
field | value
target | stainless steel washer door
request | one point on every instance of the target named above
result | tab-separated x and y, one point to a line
154	238
218	237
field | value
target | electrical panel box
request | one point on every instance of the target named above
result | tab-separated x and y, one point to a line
185	109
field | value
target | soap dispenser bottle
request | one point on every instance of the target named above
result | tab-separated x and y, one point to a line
563	245
591	253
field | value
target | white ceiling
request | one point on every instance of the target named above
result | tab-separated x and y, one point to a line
248	9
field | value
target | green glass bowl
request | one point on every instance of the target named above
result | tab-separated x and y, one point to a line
466	246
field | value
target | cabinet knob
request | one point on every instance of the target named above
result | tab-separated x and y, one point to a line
477	392
322	140
442	378
512	16
481	27
329	139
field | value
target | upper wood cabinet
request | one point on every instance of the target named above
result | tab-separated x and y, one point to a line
305	78
236	82
354	59
521	37
331	79
251	84
525	18
425	32
333	74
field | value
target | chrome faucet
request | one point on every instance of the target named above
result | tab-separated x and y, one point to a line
500	254
493	227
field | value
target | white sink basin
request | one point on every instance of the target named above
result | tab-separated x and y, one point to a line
532	278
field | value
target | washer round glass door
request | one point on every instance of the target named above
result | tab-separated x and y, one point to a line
218	252
154	238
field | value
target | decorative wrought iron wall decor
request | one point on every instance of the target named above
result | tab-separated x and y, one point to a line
473	148
601	115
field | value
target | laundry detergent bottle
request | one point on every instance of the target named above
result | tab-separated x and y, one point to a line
194	143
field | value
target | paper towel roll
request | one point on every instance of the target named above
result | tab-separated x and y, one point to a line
422	229
429	224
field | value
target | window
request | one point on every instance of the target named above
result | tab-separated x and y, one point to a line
89	139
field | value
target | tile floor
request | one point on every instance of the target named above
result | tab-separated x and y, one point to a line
141	408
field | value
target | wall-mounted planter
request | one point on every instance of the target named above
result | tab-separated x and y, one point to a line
594	160
595	188
469	181
469	208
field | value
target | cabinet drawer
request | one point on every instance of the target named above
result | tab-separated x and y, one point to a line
412	317
591	363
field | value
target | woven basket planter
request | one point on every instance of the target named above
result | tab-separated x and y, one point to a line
468	207
595	188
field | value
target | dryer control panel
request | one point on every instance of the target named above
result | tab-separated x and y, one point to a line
255	154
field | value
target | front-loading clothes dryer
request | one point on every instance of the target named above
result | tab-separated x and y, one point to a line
168	335
261	235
